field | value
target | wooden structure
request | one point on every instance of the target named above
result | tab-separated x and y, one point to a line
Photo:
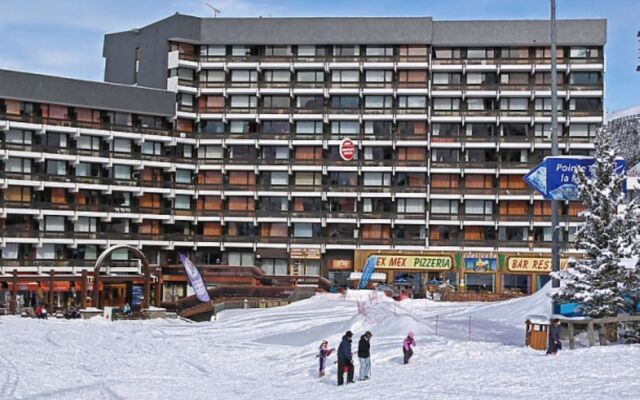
604	326
536	334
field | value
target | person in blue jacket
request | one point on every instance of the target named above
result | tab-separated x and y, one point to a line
345	359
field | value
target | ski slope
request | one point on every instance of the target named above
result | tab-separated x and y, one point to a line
464	351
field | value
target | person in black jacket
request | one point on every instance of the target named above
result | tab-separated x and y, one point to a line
364	355
554	337
345	362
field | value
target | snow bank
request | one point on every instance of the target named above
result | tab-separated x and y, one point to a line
514	311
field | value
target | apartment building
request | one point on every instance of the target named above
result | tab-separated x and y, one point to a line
303	146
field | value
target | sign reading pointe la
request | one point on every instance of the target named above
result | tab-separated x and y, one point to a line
554	178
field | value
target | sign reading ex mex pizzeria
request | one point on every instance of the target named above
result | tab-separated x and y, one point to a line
436	262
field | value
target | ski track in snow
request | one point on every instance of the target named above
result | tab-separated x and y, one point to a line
270	354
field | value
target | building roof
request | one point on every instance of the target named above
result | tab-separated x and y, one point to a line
625	113
120	48
89	94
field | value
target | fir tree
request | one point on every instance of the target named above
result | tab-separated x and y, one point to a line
595	280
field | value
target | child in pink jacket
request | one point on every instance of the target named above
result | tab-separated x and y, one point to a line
406	347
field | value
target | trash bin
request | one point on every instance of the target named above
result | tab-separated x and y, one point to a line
536	330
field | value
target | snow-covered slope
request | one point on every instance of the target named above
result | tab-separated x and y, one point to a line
270	354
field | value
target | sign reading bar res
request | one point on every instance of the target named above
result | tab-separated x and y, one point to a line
532	264
414	262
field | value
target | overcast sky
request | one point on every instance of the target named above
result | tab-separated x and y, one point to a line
64	37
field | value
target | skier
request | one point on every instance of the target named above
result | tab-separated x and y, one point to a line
325	352
127	310
554	337
406	347
364	356
345	361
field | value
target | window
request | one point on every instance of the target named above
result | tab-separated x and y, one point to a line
408	52
410	206
513	233
345	127
57	140
446	78
277	76
310	102
345	76
211	126
182	202
378	76
413	77
514	78
381	128
151	148
183	176
514	53
446	104
121	171
303	230
83	169
207	103
278	127
378	102
586	104
274	204
439	206
412	128
309	127
244	101
582	130
512	283
585	78
56	167
277	51
481	283
310	76
245	259
584	52
54	224
412	102
544	104
242	126
18	136
84	224
382	51
210	152
46	252
378	153
275	266
244	75
346	51
279	178
212	76
276	102
447	54
346	179
514	104
310	51
121	146
480	53
345	102
308	179
213	51
445	155
377	179
240	203
478	207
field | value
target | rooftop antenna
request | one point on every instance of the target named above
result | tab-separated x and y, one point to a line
216	12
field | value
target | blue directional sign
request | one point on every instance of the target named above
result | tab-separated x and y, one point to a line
554	177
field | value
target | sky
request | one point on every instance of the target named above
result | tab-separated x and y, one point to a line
64	37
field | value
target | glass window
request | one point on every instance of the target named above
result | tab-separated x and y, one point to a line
412	102
183	176
182	202
18	136
122	171
244	101
514	104
277	75
309	127
439	206
345	75
302	230
244	75
54	224
151	148
280	178
212	75
56	167
415	206
483	283
446	104
378	76
310	76
345	127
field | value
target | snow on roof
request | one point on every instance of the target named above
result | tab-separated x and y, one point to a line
624	113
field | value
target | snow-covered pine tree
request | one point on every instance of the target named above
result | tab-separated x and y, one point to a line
626	138
593	281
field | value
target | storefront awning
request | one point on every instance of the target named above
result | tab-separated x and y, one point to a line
376	276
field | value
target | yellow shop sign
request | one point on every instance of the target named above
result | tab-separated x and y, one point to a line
414	262
532	264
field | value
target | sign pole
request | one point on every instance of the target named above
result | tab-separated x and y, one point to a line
555	242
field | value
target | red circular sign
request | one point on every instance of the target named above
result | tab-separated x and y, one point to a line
347	149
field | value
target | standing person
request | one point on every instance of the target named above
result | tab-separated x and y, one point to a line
554	337
127	310
406	347
345	359
364	356
325	352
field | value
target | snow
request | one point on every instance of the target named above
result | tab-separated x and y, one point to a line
464	351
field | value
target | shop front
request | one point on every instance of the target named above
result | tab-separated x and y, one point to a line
526	274
304	262
411	272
